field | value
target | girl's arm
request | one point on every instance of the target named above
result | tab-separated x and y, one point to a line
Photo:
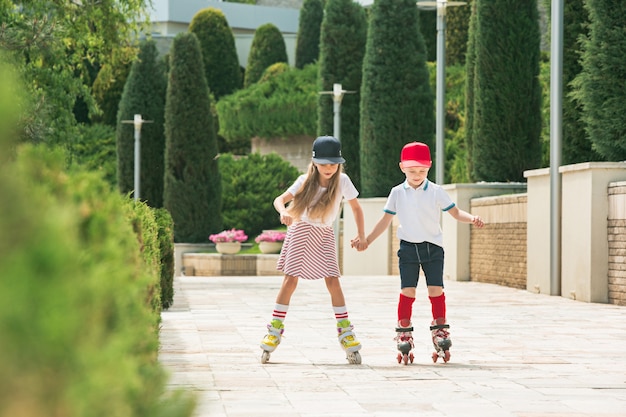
359	219
280	203
465	217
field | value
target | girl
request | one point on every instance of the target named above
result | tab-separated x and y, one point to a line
309	250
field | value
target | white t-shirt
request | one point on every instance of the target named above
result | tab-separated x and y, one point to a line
419	211
347	190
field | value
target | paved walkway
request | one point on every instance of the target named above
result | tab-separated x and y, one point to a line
514	353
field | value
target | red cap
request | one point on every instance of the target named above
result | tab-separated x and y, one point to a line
415	154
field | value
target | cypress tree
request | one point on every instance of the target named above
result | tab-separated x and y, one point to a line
428	28
506	137
397	103
576	143
308	39
342	47
457	26
219	54
192	191
470	105
144	94
268	47
599	87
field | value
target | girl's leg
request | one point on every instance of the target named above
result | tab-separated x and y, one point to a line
275	329
346	337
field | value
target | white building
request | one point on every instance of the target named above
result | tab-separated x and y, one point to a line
170	17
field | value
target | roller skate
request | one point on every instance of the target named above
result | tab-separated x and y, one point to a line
348	341
272	339
441	340
405	341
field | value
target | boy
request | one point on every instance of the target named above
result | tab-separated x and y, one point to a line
418	203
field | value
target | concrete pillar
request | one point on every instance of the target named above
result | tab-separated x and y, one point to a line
538	231
584	236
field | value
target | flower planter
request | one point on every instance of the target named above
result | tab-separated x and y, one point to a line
270	247
228	248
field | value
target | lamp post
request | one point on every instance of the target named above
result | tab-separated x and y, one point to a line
440	121
137	122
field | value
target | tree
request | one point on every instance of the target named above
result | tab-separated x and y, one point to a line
192	190
309	28
219	55
55	44
397	103
470	104
599	86
268	47
342	48
506	118
144	94
457	26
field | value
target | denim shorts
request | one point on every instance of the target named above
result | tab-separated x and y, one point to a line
428	256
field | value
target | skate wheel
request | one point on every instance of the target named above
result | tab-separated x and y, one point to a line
354	358
265	356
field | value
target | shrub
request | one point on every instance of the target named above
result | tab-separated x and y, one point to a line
219	55
268	47
166	245
79	334
249	186
280	106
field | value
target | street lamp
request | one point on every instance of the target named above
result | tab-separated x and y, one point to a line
337	93
137	122
440	124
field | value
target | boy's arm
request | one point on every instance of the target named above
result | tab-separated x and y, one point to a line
465	217
380	227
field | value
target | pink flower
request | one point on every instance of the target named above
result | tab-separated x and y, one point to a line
232	235
270	236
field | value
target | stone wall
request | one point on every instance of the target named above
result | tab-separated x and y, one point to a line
498	250
617	243
295	150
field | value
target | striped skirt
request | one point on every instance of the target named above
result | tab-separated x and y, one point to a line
309	252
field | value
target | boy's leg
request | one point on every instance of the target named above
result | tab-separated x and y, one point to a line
433	270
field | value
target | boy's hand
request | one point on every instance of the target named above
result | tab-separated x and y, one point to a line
359	244
478	222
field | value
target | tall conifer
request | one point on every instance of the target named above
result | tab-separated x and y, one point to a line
344	32
397	103
193	193
144	94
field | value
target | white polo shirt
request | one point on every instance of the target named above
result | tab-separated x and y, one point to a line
347	190
419	211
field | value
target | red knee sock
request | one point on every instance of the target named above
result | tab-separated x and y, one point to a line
405	309
438	305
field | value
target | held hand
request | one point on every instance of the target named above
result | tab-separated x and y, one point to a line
478	222
359	244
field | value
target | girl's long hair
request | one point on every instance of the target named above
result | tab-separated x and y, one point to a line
305	198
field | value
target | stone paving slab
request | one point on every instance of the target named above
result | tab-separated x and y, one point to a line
514	353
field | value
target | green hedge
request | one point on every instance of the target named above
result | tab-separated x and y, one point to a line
277	106
78	300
